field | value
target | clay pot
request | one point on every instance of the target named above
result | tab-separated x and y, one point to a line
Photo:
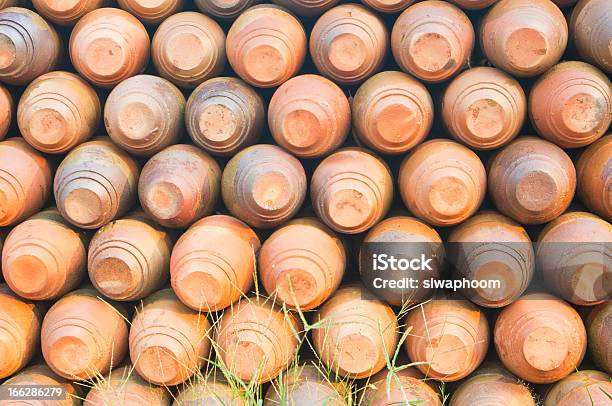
188	48
7	108
44	257
451	337
123	386
524	37
209	391
129	258
309	116
406	387
348	44
261	56
600	334
307	8
355	330
492	247
40	375
144	114
591	32
302	263
66	12
574	260
57	112
30	46
213	263
223	9
83	336
263	186
179	185
594	176
532	180
25	181
151	12
540	338
492	385
392	112
351	190
432	40
580	388
484	108
442	182
474	4
256	340
95	184
109	45
224	115
168	342
388	6
402	237
19	331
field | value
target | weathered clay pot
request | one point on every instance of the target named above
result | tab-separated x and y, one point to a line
591	31
151	12
44	257
123	386
432	40
392	112
64	12
388	6
348	44
594	176
7	109
484	108
224	115
179	185
540	338
355	331
83	336
406	387
95	184
109	45
351	190
169	343
531	180
473	4
25	181
58	111
30	46
188	48
524	37
309	116
144	114
580	388
307	8
41	375
209	391
213	263
223	9
600	334
302	263
442	182
263	185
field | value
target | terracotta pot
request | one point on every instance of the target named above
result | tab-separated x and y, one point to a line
524	37
179	185
492	247
302	263
348	44
591	32
600	334
307	8
123	386
95	184
144	114
129	258
392	112
83	336
580	388
256	340
151	12
40	375
25	181
388	6
355	331
594	177
432	40
403	237
309	116
351	190
261	56
19	331
7	109
484	108
44	257
531	180
57	112
30	46
474	4
169	343
224	115
442	182
223	9
109	45
66	12
451	337
209	391
188	48
406	387
540	338
263	186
